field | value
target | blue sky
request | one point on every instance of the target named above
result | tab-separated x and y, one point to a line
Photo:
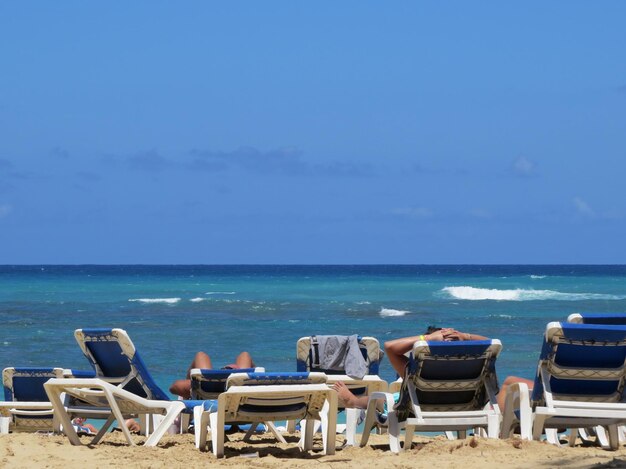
320	132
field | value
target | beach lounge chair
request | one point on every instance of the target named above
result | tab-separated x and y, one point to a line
122	388
598	318
448	386
307	356
269	397
579	384
26	407
618	319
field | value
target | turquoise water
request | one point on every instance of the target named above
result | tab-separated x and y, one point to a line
171	312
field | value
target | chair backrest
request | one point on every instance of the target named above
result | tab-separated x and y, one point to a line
369	347
451	376
208	384
585	362
597	318
26	384
298	397
114	358
266	379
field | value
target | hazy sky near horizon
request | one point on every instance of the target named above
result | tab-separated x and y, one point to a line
320	132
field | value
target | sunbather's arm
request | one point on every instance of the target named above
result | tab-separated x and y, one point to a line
397	348
452	334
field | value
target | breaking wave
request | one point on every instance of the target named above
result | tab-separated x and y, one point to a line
169	301
388	312
473	294
535	277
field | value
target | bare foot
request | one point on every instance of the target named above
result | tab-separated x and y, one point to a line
132	425
346	398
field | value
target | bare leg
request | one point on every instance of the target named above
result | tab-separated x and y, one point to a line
347	398
501	397
182	387
132	425
244	360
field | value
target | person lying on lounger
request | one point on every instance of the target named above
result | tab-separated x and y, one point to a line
396	350
182	387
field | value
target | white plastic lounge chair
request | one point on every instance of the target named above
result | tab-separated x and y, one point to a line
579	384
26	407
123	387
94	394
370	383
269	397
448	386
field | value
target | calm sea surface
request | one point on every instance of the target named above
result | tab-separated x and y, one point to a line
171	312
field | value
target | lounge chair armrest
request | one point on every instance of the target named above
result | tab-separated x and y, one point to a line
372	402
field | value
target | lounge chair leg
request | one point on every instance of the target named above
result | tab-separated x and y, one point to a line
96	439
5	422
306	431
291	426
537	426
330	408
369	423
450	435
394	433
601	437
200	420
352	416
408	436
493	426
573	434
552	436
272	427
217	432
59	409
250	432
175	408
613	437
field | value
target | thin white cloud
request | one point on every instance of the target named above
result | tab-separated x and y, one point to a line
524	167
480	213
413	212
285	160
583	208
5	209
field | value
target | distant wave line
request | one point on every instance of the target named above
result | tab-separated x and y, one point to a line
389	312
170	301
519	294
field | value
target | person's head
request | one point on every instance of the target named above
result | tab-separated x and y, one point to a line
432	329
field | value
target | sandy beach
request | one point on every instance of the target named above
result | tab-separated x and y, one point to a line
54	451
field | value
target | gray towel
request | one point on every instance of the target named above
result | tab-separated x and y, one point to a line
341	353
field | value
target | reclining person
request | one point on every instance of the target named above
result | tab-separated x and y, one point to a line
396	350
182	387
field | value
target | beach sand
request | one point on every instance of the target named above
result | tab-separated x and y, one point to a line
24	450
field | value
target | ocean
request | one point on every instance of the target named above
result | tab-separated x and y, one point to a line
170	312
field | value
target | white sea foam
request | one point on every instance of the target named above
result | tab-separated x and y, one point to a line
388	312
169	301
220	293
197	300
535	277
363	302
473	294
